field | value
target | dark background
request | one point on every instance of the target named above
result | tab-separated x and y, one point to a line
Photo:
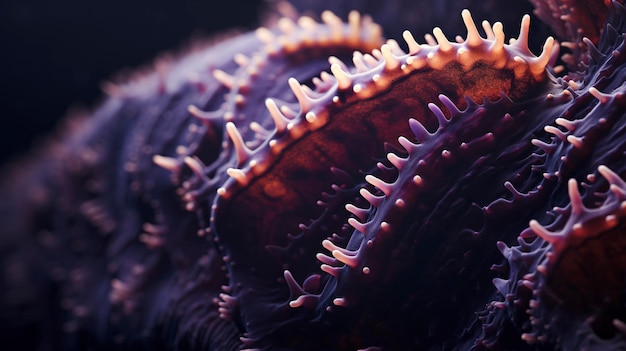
54	54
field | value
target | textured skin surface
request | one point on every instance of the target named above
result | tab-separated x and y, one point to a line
258	195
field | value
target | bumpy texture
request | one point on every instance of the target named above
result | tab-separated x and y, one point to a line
312	186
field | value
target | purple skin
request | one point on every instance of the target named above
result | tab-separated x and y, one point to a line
456	196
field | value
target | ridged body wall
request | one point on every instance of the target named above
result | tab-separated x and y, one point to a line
314	186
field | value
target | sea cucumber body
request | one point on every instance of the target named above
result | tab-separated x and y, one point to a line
311	186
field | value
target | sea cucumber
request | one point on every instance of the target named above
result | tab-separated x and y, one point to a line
317	187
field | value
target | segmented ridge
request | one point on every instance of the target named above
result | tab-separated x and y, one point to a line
230	120
375	71
291	36
549	255
386	210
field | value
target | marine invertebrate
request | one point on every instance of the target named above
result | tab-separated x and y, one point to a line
382	198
